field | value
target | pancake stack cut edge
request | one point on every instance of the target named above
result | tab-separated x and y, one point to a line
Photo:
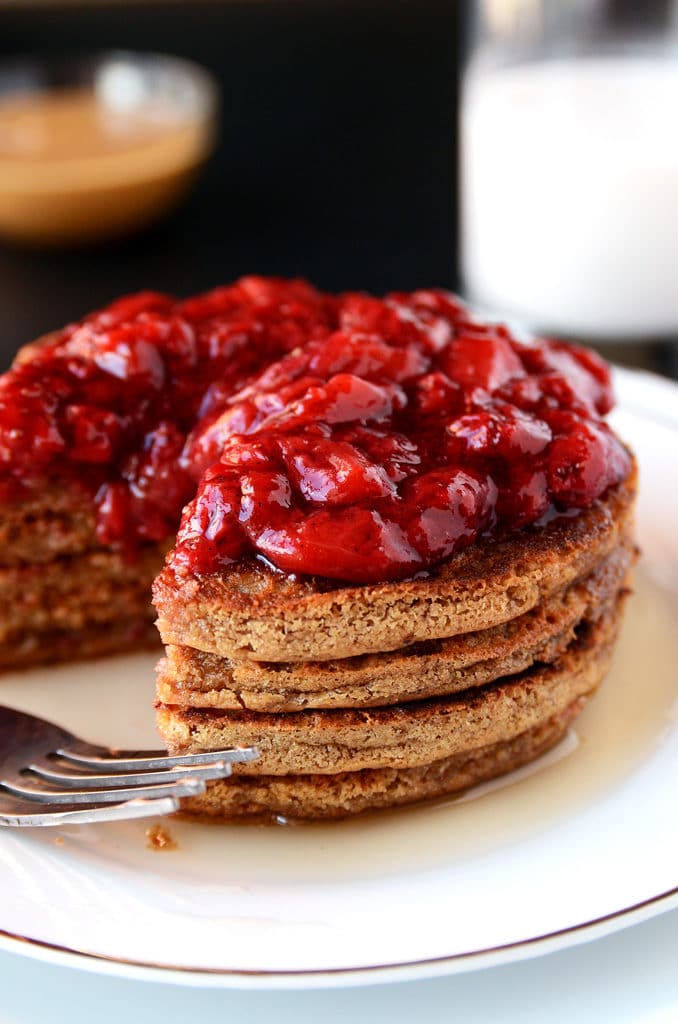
64	594
373	696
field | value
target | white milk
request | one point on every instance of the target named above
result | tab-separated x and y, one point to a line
570	194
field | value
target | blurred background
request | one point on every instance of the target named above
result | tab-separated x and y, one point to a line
337	154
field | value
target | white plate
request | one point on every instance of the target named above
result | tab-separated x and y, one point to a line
579	844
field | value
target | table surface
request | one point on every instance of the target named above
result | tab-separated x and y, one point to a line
631	976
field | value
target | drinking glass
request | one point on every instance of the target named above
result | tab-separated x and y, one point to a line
569	166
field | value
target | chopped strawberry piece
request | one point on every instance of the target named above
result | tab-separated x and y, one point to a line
508	432
481	359
96	433
319	544
334	472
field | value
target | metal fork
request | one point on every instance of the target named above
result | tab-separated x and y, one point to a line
50	777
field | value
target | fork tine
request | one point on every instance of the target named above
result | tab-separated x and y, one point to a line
88	756
50	777
55	816
44	769
44	795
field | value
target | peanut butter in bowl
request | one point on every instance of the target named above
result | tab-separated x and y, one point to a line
103	154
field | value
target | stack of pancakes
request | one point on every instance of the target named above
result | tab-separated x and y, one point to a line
366	696
63	593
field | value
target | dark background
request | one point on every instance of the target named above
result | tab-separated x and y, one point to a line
336	159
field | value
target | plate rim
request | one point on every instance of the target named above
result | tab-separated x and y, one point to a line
342	977
662	411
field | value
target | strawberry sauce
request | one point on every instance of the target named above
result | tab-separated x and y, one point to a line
349	437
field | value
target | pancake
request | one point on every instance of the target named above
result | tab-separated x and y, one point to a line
73	594
94	640
266	798
63	595
248	611
52	523
405	735
426	669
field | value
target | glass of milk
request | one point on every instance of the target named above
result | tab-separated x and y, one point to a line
569	166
